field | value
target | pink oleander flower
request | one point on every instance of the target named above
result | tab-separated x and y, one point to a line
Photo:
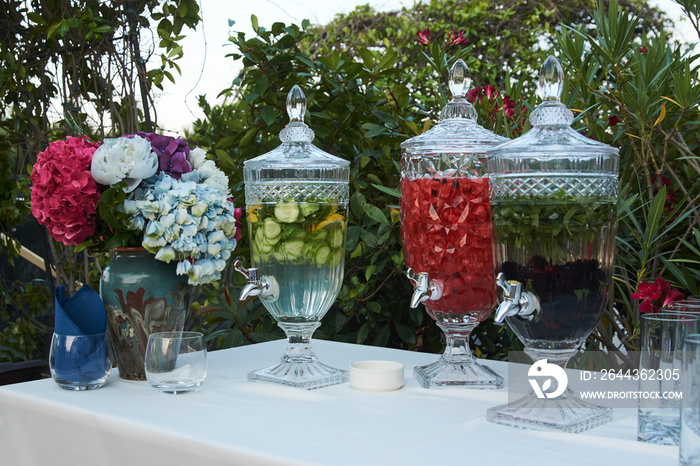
508	106
237	212
172	153
453	38
650	293
424	36
64	194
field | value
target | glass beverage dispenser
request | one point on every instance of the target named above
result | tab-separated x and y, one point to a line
446	234
554	199
296	201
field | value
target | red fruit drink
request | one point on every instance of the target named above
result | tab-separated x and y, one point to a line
446	232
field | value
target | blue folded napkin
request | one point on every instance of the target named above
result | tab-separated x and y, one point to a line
83	314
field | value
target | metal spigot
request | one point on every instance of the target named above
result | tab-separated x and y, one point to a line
266	288
425	289
515	301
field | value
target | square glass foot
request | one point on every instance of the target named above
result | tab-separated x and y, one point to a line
562	414
455	374
308	375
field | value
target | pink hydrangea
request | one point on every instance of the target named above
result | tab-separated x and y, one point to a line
64	195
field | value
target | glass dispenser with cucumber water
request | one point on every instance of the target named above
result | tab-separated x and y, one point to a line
296	200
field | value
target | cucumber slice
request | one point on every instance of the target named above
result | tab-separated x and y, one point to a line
292	249
335	258
308	208
323	252
262	242
271	229
287	212
319	235
336	238
293	231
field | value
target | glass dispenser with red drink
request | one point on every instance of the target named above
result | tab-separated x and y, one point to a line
446	234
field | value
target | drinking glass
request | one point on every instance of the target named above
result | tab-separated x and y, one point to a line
690	406
176	362
660	361
80	362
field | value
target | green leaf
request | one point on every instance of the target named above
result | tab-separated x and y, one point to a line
362	333
373	129
376	214
374	307
381	337
654	216
254	22
367	57
369	271
353	237
406	333
269	115
388	60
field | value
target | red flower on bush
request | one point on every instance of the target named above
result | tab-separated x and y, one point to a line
490	101
613	120
424	36
650	293
453	38
64	195
237	212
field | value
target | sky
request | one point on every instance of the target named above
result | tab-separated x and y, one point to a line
207	71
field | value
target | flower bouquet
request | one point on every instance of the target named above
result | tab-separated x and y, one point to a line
144	190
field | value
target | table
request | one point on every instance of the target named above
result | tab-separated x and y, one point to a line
231	421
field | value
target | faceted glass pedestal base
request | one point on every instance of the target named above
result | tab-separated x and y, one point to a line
466	373
299	366
301	374
566	413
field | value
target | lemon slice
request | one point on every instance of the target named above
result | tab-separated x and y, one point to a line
332	221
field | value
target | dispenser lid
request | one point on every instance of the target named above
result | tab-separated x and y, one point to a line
296	158
457	130
551	133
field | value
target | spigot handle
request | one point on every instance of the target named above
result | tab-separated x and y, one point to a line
411	274
238	267
425	289
515	301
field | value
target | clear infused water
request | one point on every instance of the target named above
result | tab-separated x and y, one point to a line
301	245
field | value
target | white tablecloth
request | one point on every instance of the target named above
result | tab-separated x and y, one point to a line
230	421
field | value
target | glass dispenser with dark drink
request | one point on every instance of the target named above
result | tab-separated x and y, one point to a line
553	202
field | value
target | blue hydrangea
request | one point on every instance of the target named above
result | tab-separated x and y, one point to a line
187	220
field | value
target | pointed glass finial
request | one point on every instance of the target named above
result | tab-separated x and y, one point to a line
296	130
460	79
296	104
551	79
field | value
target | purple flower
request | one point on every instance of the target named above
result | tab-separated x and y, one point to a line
172	153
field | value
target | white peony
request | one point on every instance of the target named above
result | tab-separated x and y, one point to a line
124	159
197	157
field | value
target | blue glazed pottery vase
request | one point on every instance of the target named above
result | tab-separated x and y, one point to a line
141	295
